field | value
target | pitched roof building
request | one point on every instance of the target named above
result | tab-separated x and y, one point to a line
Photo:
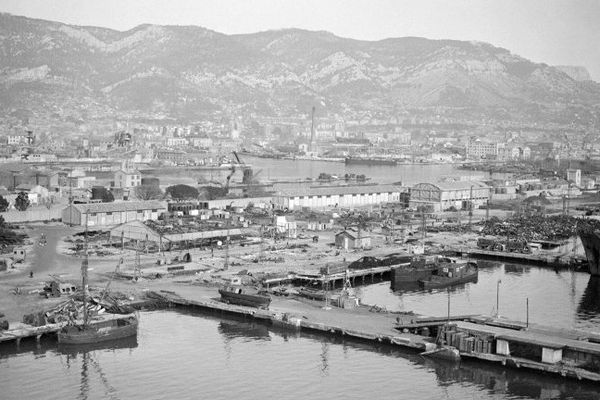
106	214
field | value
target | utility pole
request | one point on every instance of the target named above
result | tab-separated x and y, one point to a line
226	264
498	298
470	207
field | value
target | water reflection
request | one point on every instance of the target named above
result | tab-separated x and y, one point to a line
233	329
516	269
38	349
589	305
90	365
512	382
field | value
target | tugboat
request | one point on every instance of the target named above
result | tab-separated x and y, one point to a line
236	293
450	275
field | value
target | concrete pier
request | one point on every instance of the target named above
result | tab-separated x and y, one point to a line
563	352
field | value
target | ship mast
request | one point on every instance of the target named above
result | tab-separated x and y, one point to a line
84	271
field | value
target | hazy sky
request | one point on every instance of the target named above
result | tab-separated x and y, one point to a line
551	31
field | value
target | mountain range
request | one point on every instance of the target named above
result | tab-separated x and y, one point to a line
189	72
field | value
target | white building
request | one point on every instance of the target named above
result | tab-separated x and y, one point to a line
127	179
574	176
444	195
477	149
337	196
103	214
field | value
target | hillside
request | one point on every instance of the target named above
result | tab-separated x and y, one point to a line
189	72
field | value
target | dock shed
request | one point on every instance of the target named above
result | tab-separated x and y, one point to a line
107	214
137	232
441	196
337	196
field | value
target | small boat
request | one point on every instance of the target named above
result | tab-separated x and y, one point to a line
444	353
451	274
103	328
418	268
123	326
236	293
311	293
245	296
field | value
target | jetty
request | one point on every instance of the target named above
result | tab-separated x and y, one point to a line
565	352
568	353
554	260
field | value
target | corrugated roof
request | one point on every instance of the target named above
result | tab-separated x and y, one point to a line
120	206
456	185
180	237
340	190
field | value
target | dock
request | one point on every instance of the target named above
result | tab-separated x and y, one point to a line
556	260
24	331
296	314
21	331
365	275
568	353
565	352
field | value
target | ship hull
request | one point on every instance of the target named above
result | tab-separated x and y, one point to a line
591	245
245	299
117	328
369	161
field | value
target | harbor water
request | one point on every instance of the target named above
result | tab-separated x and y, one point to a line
183	355
409	174
187	356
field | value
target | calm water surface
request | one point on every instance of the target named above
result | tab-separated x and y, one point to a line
406	173
187	356
563	298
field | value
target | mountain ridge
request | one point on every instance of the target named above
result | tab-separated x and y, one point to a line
189	71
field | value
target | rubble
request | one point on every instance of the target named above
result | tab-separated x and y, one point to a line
555	227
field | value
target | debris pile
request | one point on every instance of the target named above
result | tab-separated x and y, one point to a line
556	227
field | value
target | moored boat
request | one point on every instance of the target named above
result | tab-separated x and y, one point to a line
420	267
451	274
590	238
99	331
245	296
311	293
443	352
369	161
90	331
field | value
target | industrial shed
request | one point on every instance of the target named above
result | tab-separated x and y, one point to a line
337	196
106	214
441	196
138	233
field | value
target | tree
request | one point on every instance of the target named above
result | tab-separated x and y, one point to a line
148	192
22	202
3	204
102	193
182	192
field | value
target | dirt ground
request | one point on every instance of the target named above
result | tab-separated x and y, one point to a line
19	292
